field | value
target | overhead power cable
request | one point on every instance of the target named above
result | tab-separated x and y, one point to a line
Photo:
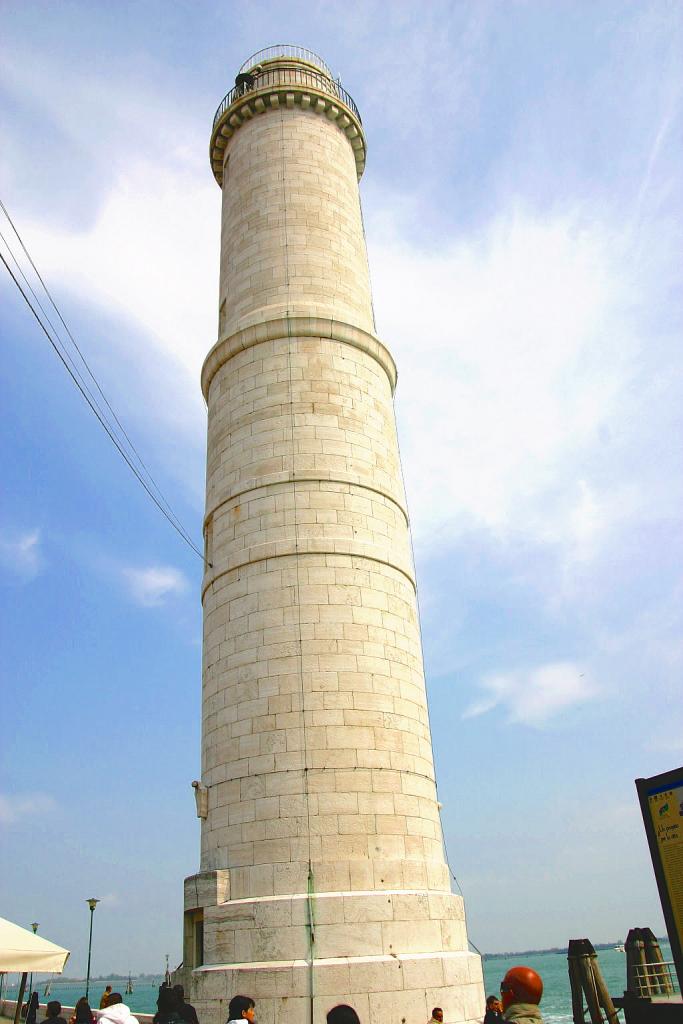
65	352
149	484
75	344
106	427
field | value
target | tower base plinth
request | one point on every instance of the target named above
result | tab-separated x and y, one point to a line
382	989
391	954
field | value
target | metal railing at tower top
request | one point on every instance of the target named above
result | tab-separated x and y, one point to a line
285	50
284	76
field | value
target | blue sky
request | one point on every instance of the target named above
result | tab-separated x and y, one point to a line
523	206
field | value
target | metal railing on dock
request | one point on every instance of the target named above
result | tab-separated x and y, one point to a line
657	978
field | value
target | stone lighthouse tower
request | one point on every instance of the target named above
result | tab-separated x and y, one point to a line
322	876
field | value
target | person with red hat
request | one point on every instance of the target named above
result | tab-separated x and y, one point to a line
521	990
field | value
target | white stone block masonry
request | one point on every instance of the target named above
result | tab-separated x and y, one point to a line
322	875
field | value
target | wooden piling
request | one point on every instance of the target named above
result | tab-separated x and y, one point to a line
635	963
586	981
658	976
576	987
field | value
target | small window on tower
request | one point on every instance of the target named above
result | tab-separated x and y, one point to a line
199	941
221	319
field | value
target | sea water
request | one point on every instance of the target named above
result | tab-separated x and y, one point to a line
556	1003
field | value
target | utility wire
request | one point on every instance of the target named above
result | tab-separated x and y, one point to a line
160	498
55	333
76	346
67	355
105	426
65	352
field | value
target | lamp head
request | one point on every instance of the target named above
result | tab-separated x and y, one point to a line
92	903
34	925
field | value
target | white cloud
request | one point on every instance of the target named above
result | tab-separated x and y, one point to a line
132	108
517	350
153	585
151	254
20	553
513	355
588	520
533	697
670	739
16	805
142	245
111	899
514	344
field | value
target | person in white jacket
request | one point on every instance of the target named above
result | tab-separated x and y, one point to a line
116	1011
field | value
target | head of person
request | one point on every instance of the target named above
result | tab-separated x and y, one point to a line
521	985
54	1008
114	998
437	1013
33	1001
180	993
83	1011
168	1001
342	1014
492	1003
242	1008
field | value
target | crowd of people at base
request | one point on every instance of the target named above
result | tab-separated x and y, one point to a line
520	994
171	1009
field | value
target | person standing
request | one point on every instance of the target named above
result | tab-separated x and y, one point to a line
494	1011
105	996
116	1011
32	1008
54	1013
82	1013
241	1008
168	1007
186	1010
521	990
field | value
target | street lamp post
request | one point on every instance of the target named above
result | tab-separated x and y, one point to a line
34	925
92	903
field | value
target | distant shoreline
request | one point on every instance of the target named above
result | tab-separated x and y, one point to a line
108	977
158	978
598	947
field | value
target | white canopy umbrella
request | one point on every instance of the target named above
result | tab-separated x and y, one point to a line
22	951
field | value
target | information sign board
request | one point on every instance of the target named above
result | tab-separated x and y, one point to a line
661	804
